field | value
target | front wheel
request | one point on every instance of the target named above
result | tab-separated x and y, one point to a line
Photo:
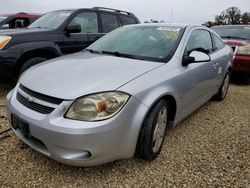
31	62
221	95
152	133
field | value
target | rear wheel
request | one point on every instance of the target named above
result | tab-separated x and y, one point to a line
30	62
221	95
152	133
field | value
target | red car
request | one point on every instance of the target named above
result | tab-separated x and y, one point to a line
238	37
19	20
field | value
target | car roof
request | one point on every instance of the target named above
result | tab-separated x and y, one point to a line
180	25
103	9
230	26
22	14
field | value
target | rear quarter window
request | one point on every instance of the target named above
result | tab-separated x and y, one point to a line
126	20
109	22
218	43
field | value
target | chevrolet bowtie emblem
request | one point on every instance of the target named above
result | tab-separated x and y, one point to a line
30	99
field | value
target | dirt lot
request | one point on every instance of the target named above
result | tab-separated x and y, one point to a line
211	148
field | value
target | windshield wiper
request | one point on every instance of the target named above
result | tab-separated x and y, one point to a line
118	54
234	37
92	51
38	27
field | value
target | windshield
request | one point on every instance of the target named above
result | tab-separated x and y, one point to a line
233	32
139	42
2	18
51	20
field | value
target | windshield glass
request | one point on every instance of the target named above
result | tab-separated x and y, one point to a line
233	32
2	18
51	20
140	42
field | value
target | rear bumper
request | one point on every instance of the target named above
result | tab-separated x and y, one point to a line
241	63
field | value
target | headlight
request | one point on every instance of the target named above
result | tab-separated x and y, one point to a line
244	50
4	41
97	106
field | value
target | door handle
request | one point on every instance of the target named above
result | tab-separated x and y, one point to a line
215	64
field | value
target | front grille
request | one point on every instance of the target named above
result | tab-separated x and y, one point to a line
40	96
34	106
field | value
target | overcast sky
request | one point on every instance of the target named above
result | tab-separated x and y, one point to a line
184	11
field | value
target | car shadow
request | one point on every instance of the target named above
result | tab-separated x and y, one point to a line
241	79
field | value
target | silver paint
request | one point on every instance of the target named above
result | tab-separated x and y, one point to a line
91	143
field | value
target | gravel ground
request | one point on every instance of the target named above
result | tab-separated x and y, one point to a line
211	148
4	89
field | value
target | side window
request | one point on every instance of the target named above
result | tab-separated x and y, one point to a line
5	26
127	20
109	22
19	23
87	21
218	43
199	40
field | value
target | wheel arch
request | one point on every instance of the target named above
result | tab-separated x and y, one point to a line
172	104
170	98
48	53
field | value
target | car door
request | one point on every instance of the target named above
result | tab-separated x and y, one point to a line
220	65
76	42
197	79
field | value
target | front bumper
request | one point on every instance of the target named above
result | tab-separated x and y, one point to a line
80	143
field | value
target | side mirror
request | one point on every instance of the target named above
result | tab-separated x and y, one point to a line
195	57
75	28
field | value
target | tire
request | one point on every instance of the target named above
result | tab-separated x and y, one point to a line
151	138
221	95
31	62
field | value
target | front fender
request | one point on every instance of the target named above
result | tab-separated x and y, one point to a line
150	96
23	48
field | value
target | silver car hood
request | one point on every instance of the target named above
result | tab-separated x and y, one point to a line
72	76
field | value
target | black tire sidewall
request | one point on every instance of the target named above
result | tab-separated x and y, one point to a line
31	62
145	140
220	96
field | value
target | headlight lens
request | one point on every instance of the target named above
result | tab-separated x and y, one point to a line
244	50
4	41
97	106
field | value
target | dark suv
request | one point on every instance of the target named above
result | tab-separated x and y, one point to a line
15	21
54	34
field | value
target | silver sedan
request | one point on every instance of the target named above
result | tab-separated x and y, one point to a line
117	98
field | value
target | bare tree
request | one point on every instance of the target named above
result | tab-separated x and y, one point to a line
245	18
232	15
220	19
